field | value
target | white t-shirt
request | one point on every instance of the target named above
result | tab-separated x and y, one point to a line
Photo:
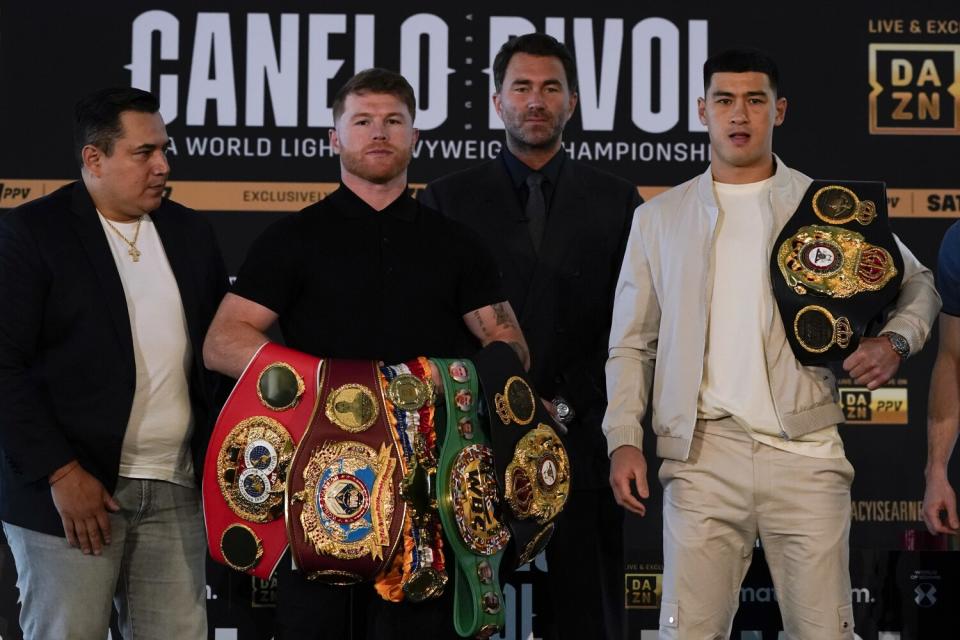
735	378
156	445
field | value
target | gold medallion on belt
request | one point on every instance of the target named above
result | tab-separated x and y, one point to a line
252	468
348	502
352	407
833	261
538	476
817	330
517	403
838	205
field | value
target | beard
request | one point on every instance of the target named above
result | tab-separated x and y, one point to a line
374	169
543	136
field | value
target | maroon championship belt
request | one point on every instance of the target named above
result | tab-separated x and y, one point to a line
344	513
249	455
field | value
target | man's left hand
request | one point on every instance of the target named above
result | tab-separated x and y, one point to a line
873	363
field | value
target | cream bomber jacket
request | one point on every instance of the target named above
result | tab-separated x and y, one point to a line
660	322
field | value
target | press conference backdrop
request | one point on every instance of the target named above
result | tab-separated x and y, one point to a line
245	88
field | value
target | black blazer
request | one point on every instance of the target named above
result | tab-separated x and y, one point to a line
563	297
67	373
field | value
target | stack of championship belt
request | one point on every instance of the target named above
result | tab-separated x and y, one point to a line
835	268
354	466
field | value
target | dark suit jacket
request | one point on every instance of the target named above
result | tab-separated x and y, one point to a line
563	297
67	373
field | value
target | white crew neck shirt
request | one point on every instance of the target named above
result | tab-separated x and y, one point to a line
156	445
735	378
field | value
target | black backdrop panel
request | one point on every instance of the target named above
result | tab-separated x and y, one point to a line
246	88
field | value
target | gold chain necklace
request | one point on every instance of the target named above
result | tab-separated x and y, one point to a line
132	251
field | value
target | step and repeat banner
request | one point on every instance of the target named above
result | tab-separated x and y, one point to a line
245	88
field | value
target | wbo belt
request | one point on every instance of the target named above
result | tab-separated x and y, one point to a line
250	452
532	467
469	505
835	267
344	515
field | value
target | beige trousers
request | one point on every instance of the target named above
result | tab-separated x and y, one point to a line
731	490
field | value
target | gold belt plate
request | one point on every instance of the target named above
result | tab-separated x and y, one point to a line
833	261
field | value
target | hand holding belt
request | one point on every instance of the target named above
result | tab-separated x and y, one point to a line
419	572
469	505
532	467
835	267
249	455
344	517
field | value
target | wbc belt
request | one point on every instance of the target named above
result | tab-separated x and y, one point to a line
469	505
250	451
344	515
532	467
835	267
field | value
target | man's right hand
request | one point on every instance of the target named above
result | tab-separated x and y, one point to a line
628	466
82	502
939	497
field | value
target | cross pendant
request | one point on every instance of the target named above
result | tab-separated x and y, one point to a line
134	253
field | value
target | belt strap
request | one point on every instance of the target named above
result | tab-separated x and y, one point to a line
419	573
469	505
344	515
532	466
250	451
835	267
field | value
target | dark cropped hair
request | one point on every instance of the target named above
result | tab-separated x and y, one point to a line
376	80
96	118
534	44
741	61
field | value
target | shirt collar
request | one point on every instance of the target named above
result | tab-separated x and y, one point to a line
350	205
519	171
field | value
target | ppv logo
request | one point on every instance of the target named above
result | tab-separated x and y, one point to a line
915	89
12	192
887	405
644	590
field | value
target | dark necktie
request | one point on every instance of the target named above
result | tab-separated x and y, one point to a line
536	209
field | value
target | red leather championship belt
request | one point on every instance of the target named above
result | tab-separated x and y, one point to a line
344	513
249	455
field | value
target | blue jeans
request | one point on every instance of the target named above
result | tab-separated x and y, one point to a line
154	571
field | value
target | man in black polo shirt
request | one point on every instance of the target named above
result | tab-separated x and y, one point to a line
367	273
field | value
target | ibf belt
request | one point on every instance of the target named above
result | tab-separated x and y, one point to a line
835	268
249	456
532	467
469	505
344	516
419	572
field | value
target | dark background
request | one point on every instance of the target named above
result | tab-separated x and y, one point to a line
53	53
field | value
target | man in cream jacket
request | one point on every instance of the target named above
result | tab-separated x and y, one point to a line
748	434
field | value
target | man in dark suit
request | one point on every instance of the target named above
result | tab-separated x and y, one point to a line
105	406
558	230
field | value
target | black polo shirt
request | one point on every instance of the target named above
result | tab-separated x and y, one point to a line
350	282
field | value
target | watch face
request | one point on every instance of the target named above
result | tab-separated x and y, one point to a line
899	344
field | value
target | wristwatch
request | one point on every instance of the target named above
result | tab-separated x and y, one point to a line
565	412
899	343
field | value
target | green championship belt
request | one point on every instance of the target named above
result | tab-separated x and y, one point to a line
468	503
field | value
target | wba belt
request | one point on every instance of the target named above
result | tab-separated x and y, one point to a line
344	517
469	505
532	467
835	268
250	451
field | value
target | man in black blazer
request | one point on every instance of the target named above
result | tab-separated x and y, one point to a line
105	407
558	229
